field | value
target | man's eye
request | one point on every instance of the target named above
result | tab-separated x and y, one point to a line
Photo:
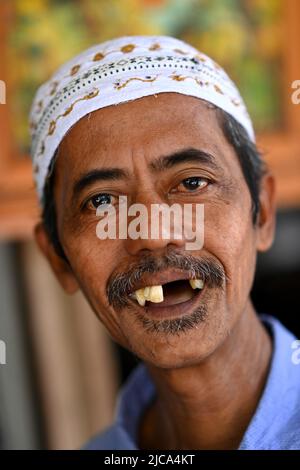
99	200
193	183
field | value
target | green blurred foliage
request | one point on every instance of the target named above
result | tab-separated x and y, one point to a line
244	36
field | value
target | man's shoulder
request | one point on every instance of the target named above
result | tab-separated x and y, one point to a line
276	423
280	404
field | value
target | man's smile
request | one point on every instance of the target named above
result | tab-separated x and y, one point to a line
166	294
165	287
179	299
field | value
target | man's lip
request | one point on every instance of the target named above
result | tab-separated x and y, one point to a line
160	278
154	311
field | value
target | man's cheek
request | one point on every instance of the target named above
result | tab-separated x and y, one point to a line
231	240
91	267
229	226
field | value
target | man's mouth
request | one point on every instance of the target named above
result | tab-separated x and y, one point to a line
175	287
168	294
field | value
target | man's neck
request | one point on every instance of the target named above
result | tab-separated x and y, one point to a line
209	405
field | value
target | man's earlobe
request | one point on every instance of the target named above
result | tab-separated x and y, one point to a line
60	267
266	216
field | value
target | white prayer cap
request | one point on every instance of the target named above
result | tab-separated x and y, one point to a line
121	70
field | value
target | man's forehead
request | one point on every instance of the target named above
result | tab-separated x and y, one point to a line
107	139
166	116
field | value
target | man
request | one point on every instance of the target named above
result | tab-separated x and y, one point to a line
153	119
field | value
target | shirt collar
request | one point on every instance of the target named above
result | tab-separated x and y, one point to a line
139	391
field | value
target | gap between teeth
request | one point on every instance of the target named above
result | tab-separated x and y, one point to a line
155	294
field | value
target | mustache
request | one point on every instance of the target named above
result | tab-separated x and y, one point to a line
121	284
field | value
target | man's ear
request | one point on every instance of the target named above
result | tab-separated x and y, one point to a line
60	267
266	216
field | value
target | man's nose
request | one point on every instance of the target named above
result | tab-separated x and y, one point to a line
151	229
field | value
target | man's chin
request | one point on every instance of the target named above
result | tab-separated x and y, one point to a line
166	358
170	343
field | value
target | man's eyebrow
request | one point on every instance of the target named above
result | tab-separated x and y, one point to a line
96	175
188	155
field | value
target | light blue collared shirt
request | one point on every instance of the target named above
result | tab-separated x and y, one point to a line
274	425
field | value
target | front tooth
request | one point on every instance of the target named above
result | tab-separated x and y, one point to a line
156	294
196	283
146	292
140	297
151	293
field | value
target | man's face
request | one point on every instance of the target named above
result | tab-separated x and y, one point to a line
130	142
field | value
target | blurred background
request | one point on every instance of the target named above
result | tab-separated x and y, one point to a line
62	371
